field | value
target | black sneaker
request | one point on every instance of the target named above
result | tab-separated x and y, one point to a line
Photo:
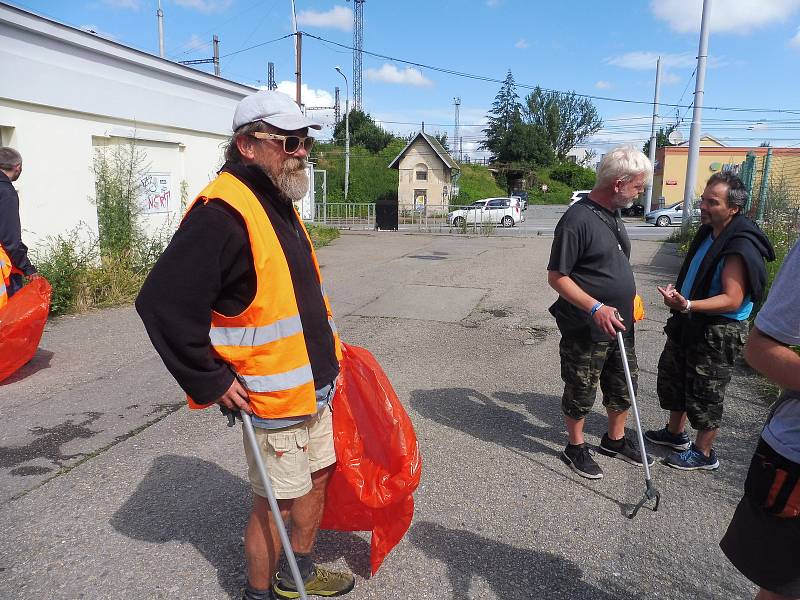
664	437
623	449
580	460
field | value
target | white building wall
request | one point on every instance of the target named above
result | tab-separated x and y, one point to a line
66	92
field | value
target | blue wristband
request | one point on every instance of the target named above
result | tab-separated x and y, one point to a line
595	308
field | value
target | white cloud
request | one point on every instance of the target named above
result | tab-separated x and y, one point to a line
391	74
195	43
311	98
669	78
339	17
521	44
603	85
645	60
732	16
795	41
93	29
130	4
205	6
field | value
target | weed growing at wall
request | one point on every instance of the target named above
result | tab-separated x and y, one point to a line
94	270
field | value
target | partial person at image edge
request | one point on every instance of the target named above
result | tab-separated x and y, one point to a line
763	538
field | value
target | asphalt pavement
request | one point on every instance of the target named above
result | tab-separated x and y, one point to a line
112	488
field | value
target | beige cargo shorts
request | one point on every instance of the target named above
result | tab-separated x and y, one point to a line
292	454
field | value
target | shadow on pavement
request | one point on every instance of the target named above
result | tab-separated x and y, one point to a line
195	501
511	572
40	361
480	416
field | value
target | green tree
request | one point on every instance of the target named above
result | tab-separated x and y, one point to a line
442	139
504	114
525	143
363	132
662	138
566	118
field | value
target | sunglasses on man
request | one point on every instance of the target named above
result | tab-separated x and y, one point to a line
291	143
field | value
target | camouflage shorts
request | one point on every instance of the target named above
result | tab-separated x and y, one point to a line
695	369
584	363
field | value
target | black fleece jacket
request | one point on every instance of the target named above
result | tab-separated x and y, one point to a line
743	237
208	266
10	228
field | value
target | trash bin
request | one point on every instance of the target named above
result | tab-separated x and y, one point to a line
386	214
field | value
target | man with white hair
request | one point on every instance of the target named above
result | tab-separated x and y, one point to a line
236	308
590	269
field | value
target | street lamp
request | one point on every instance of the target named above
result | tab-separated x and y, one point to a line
346	134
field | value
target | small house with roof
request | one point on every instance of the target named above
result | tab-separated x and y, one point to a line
426	175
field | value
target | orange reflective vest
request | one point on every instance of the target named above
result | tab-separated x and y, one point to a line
264	344
5	269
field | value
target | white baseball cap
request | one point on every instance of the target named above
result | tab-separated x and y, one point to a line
275	108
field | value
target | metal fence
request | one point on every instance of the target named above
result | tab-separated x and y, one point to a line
345	215
431	218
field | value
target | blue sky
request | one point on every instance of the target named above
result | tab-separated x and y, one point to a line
602	48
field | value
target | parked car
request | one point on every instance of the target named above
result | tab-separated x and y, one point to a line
634	210
523	196
578	195
523	202
503	211
672	215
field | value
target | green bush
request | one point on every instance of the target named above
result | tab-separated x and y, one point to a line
574	176
475	183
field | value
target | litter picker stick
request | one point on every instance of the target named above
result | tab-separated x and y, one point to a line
650	492
250	434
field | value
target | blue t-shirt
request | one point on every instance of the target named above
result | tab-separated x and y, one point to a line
779	318
743	312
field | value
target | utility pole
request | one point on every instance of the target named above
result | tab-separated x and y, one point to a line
298	70
298	50
337	110
160	15
648	195
697	115
456	130
346	135
358	45
271	76
216	55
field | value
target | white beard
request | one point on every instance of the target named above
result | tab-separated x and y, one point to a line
292	180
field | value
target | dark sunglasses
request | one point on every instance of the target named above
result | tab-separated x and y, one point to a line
291	143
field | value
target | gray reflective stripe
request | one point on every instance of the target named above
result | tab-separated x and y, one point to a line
281	381
255	336
332	324
2	288
322	288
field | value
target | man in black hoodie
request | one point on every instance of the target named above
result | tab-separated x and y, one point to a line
722	276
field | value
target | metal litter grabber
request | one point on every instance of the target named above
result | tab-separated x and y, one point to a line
250	434
650	492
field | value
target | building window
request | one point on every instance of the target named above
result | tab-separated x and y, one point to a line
422	176
421	172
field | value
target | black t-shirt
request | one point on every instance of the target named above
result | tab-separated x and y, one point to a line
592	247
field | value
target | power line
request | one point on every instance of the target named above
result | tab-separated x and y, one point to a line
288	35
529	86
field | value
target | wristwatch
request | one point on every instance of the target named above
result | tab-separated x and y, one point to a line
688	306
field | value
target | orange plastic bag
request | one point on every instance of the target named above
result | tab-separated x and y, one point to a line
638	308
22	323
378	461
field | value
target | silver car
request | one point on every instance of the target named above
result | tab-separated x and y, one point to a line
672	215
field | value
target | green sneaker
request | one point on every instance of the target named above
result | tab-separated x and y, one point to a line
321	583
